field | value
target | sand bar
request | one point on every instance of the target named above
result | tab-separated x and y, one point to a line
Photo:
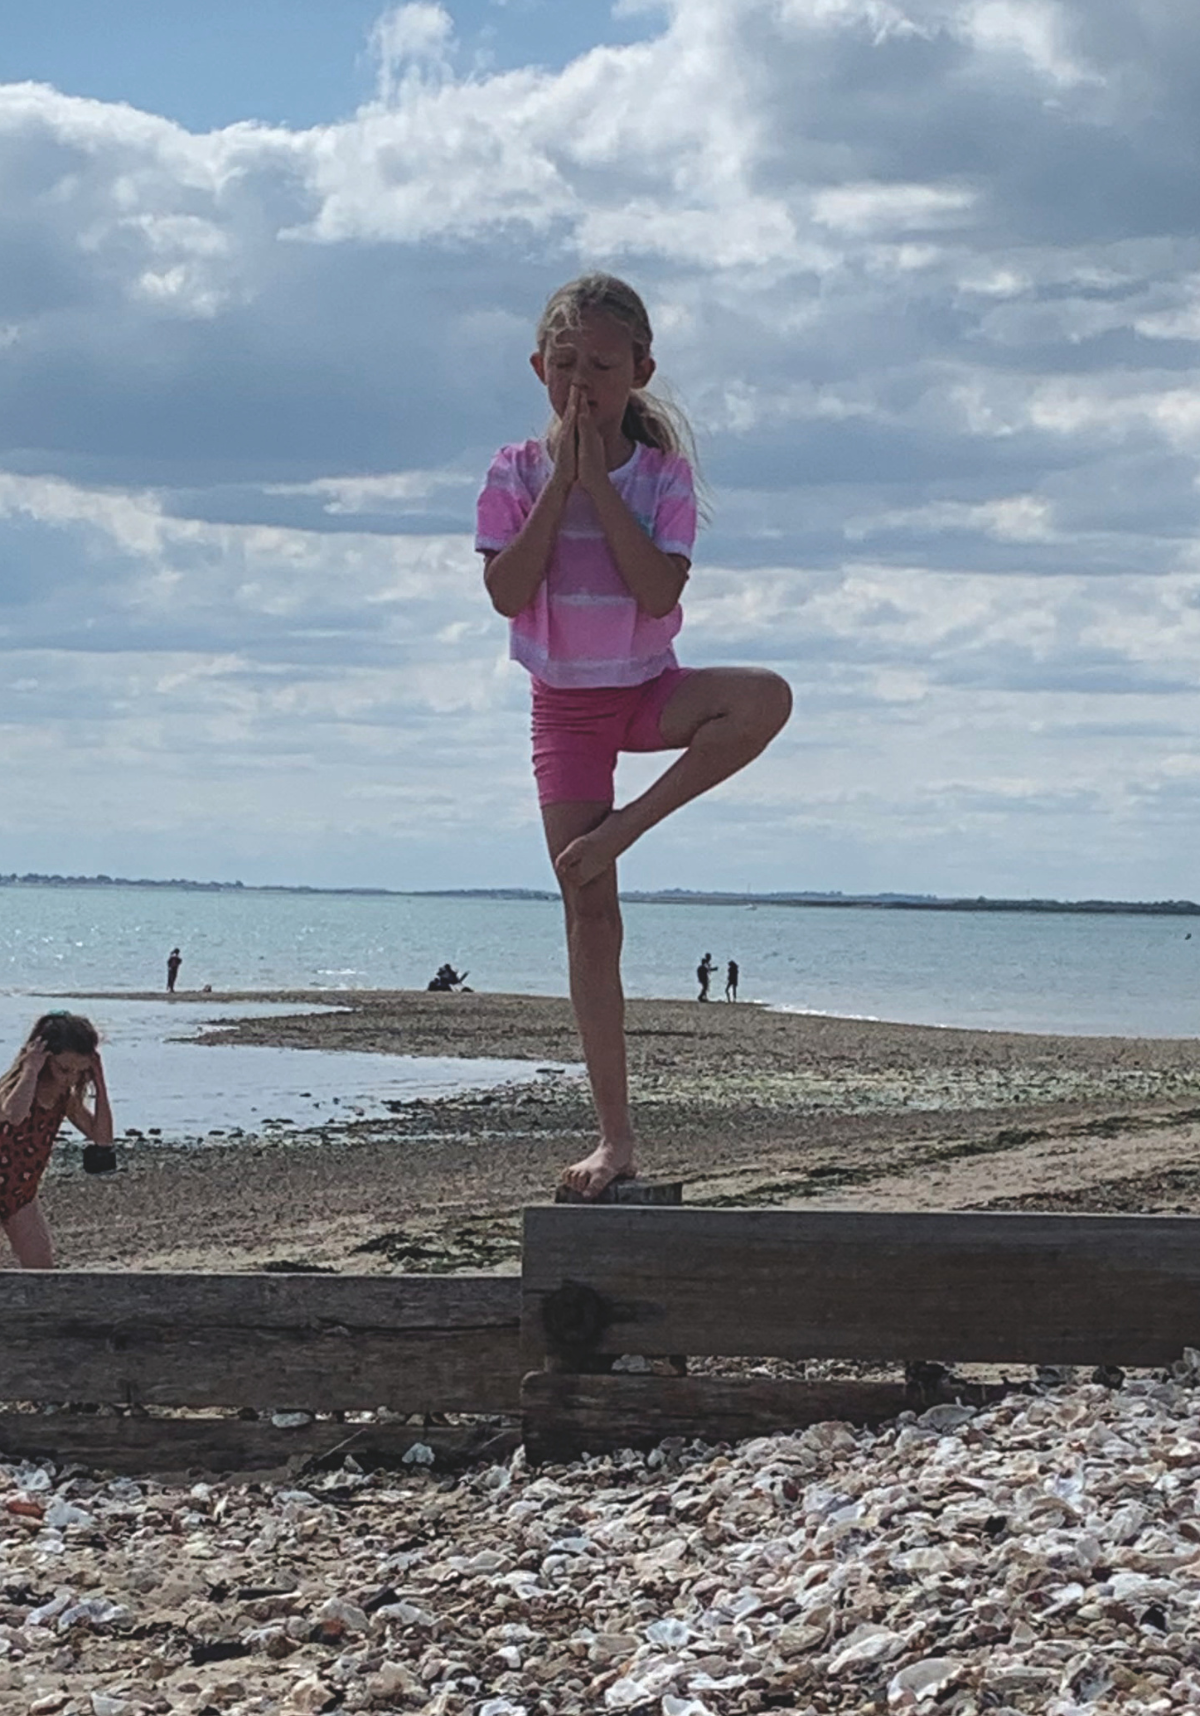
748	1106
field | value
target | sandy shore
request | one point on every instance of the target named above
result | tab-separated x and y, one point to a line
746	1106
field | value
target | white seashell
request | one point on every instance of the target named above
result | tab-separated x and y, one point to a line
92	1611
867	1643
340	1617
405	1615
1064	1597
626	1694
61	1514
308	1694
947	1416
923	1681
47	1611
671	1633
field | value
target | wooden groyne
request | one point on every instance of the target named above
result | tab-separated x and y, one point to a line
169	1361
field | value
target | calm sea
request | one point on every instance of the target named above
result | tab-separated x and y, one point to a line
1127	975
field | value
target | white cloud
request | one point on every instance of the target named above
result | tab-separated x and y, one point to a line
249	380
865	208
1037	31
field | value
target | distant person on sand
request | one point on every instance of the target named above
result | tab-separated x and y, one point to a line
57	1067
447	978
731	980
704	971
174	961
587	539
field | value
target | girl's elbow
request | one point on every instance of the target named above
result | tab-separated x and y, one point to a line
500	598
504	608
665	605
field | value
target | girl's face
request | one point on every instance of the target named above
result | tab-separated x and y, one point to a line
68	1068
599	358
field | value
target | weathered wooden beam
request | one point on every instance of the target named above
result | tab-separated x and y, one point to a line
413	1343
971	1287
637	1191
182	1445
565	1415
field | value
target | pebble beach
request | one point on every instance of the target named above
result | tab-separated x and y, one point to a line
1036	1555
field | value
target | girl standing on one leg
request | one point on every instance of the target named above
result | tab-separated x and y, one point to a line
46	1084
587	538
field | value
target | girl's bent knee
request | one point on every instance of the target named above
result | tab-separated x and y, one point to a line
771	704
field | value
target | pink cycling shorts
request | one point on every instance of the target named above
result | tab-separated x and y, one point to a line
577	734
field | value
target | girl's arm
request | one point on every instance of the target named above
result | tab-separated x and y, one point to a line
514	574
16	1105
654	577
97	1126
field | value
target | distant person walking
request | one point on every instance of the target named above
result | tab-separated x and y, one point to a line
704	971
731	980
58	1064
174	961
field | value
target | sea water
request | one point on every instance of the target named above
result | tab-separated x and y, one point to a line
1128	974
169	1088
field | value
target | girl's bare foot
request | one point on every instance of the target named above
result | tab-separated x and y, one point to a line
607	1162
590	855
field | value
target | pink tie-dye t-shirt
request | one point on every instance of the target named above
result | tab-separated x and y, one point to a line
584	628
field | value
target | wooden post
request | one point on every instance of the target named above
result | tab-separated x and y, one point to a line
969	1286
626	1192
568	1352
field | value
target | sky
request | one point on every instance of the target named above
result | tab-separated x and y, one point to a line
925	275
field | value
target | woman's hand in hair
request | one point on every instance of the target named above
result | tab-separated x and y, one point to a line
20	1085
34	1055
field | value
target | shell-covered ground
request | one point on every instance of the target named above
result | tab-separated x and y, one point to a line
1042	1555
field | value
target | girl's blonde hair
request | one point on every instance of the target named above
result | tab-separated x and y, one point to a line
649	418
62	1034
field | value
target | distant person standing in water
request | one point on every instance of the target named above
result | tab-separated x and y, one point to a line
731	980
704	971
174	961
58	1065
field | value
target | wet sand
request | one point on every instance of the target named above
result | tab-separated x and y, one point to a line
747	1106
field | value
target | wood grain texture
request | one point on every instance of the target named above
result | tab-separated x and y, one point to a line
564	1416
641	1192
964	1286
182	1445
323	1343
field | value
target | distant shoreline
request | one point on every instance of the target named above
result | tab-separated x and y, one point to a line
665	897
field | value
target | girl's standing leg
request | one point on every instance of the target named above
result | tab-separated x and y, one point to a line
721	718
594	934
30	1237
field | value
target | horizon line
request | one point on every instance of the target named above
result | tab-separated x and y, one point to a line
883	899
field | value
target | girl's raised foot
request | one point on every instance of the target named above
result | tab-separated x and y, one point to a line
590	855
607	1162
